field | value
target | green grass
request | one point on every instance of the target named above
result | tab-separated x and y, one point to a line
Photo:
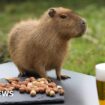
84	53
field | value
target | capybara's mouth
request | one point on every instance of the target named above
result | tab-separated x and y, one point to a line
81	33
83	30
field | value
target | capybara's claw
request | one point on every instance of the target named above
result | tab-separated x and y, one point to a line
65	77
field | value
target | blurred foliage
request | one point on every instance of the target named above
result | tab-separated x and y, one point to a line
84	52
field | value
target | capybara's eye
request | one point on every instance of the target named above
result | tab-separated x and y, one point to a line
63	16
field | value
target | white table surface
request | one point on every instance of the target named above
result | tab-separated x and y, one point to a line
79	90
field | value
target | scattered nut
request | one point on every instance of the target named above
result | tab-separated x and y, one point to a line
29	84
32	86
1	88
23	86
55	89
59	87
28	89
22	90
37	90
12	88
2	85
52	93
25	83
48	91
33	93
20	82
41	90
52	84
34	82
27	79
17	86
42	82
32	79
61	91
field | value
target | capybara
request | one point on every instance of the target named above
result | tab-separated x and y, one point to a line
41	45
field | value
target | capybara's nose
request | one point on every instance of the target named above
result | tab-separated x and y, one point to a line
82	25
82	22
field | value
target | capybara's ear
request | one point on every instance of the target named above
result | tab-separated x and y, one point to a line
52	12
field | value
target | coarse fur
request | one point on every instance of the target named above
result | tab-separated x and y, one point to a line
41	45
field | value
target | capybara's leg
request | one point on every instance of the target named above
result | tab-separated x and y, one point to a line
65	76
22	72
42	73
59	75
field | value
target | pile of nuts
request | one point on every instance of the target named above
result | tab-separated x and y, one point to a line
33	86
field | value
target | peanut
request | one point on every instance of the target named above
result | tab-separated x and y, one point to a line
52	93
27	79
17	86
59	87
61	91
52	84
33	93
28	89
22	89
32	79
55	89
48	91
29	84
33	86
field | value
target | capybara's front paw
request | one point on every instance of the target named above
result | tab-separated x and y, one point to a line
63	77
49	79
22	74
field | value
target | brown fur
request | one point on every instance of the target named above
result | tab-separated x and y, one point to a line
41	45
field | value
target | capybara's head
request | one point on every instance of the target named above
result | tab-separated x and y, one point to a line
67	22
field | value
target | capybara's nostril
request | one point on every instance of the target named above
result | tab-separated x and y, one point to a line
82	22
